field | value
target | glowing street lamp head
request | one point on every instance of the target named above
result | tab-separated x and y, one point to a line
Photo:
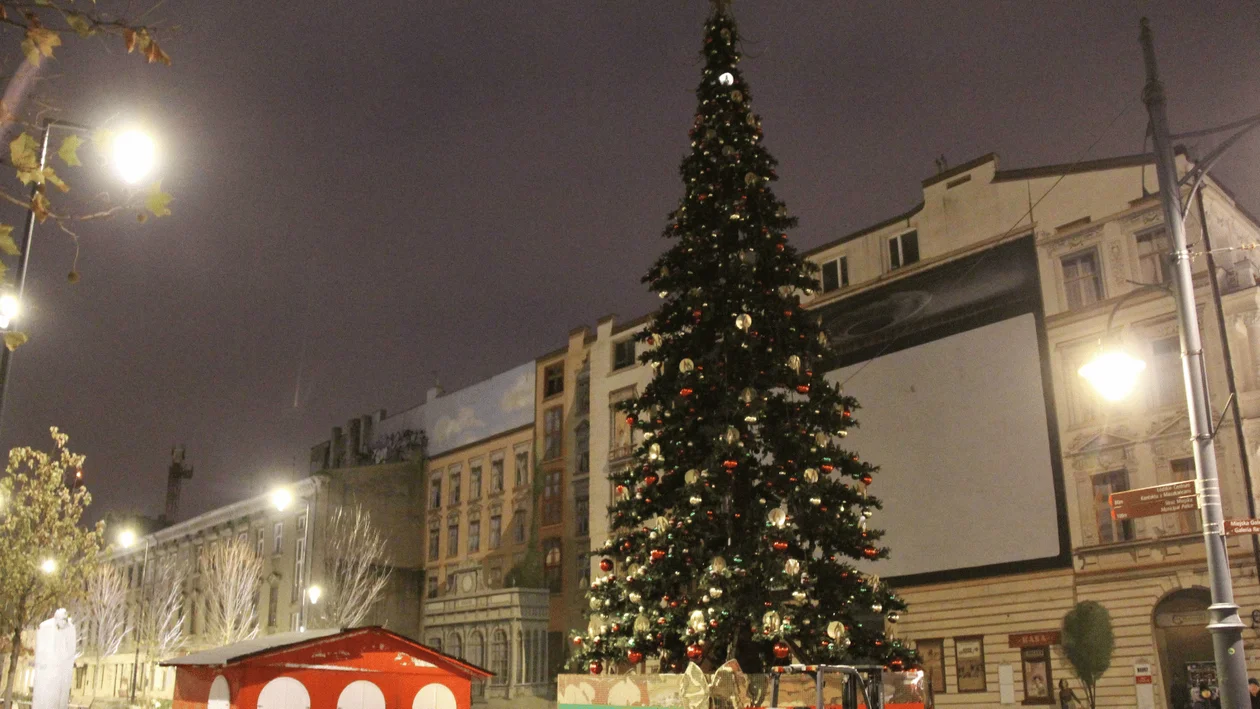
48	566
134	155
314	592
9	308
1113	374
126	538
281	499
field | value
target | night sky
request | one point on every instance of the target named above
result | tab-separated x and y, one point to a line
368	193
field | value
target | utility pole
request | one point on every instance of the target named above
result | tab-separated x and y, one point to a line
1225	626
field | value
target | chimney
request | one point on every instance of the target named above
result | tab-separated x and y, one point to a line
175	477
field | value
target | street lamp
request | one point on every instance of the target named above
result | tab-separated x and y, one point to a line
133	155
127	540
314	592
1113	373
281	498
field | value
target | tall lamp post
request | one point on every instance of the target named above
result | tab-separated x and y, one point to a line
127	539
133	155
1113	373
281	499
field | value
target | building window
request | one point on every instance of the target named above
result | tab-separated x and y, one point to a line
455	484
903	250
277	540
496	474
299	560
273	605
932	657
431	588
1154	256
623	353
452	539
435	492
455	646
1187	521
622	433
552	565
499	657
551	433
474	481
435	544
1110	531
551	498
474	536
582	442
476	649
261	545
1169	384
293	622
582	510
522	468
518	526
435	643
553	380
1082	279
494	577
835	274
496	531
584	570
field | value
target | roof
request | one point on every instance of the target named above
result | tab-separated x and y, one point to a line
281	642
227	654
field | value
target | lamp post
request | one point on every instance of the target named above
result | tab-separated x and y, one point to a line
127	539
281	499
133	154
1225	626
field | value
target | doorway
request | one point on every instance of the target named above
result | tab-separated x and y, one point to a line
1185	646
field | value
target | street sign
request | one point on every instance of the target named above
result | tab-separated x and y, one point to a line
1039	639
1242	526
1153	501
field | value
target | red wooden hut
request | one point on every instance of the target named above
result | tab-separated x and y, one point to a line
361	668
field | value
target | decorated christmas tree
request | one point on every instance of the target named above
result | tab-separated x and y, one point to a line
736	530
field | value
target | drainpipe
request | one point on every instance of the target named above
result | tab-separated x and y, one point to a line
1229	377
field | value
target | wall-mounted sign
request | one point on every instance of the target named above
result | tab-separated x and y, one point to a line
1242	526
1153	501
1037	639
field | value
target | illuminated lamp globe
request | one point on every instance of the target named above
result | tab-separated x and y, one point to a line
9	308
1113	374
281	499
134	155
126	538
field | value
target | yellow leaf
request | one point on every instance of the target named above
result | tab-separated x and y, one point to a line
129	39
40	206
80	24
69	150
157	200
7	244
51	176
14	340
25	158
154	54
39	42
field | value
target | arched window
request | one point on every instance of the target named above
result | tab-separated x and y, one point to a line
455	646
435	643
476	649
523	659
499	656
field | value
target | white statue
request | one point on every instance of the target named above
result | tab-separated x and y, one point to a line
54	662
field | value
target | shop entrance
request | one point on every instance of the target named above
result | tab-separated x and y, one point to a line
1185	646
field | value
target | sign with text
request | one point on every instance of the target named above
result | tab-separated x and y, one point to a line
1242	526
1038	639
1153	501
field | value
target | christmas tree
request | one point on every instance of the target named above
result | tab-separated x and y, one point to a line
736	529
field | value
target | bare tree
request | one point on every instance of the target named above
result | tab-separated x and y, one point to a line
232	574
102	615
356	568
160	626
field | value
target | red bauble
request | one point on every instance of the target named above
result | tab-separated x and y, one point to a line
846	414
782	650
730	464
649	480
870	552
896	664
694	653
779	545
597	667
577	640
803	389
634	656
630	420
657	555
605	565
867	479
685	392
826	467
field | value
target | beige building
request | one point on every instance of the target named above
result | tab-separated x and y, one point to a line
961	325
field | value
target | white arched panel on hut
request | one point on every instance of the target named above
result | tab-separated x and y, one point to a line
284	693
220	695
361	694
434	696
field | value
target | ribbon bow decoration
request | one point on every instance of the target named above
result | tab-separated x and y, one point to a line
728	689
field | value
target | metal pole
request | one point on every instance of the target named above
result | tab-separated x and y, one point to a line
306	567
1225	626
6	356
144	569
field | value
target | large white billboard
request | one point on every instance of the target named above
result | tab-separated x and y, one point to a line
948	369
